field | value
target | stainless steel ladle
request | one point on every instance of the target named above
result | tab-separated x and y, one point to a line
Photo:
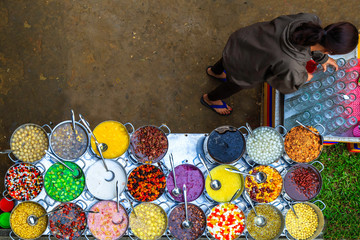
99	147
214	184
175	191
260	177
306	127
32	220
186	224
259	220
76	173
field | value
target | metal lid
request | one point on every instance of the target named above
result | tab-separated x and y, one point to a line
226	144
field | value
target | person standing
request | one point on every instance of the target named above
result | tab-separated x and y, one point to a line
276	52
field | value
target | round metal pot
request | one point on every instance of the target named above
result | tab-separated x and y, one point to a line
135	142
12	215
100	184
176	217
289	187
74	149
91	219
254	132
70	177
130	174
223	182
282	220
66	218
93	145
39	180
11	151
162	211
220	221
266	181
321	144
191	180
320	217
224	145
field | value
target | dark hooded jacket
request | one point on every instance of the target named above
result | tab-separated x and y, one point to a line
262	52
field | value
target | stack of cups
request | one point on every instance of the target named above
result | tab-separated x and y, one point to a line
6	206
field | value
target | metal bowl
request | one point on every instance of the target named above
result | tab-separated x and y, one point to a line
219	138
15	209
92	142
320	217
52	136
282	220
41	178
12	138
321	144
144	158
92	208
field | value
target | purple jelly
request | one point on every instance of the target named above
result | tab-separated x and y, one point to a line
189	175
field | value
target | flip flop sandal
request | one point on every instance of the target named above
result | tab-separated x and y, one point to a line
219	79
213	107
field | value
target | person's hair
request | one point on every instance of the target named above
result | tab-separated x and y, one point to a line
336	38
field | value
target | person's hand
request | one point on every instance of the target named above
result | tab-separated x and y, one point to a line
310	76
330	62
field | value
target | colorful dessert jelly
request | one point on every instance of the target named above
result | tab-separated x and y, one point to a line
68	222
196	217
114	135
61	184
146	183
23	181
108	224
230	183
189	175
226	221
19	217
96	181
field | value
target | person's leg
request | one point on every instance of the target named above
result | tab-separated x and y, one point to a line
217	70
223	91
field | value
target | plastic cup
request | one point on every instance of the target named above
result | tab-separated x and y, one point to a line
5	220
6	206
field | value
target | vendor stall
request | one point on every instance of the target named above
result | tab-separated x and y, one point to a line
161	184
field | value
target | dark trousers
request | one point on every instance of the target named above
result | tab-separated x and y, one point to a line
226	89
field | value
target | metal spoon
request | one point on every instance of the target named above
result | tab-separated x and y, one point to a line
131	204
76	173
32	220
186	223
111	175
235	195
176	191
259	221
114	221
260	177
214	184
306	127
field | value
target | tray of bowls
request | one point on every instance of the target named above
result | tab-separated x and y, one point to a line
111	181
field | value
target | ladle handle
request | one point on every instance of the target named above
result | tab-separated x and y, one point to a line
117	196
73	119
173	168
236	171
186	203
249	128
58	160
203	162
248	199
87	126
297	121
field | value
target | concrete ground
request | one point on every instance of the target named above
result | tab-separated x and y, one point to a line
133	61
